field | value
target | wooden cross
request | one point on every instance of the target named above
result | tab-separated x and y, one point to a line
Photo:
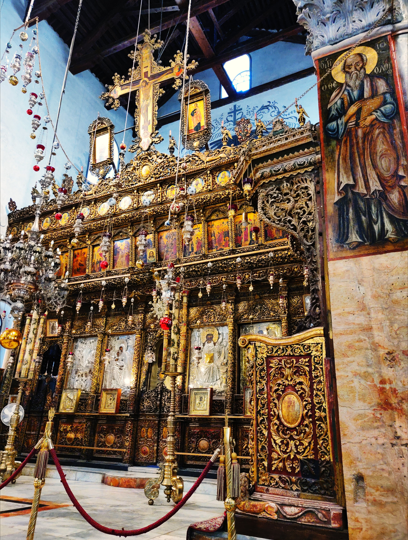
146	78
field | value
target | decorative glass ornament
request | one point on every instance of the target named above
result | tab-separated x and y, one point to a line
67	166
191	190
165	323
232	209
271	279
29	112
141	242
188	229
139	264
38	75
58	216
36	168
32	100
39	153
13	80
23	36
35	50
9	45
176	207
200	294
16	63
112	201
247	184
251	287
24	90
26	78
123	146
11	338
3	73
35	122
167	223
47	119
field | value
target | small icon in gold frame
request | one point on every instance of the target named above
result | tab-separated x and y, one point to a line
247	400
69	401
199	403
110	401
52	327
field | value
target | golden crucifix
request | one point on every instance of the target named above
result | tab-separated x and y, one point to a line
146	78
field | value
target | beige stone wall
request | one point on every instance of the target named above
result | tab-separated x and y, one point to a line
369	305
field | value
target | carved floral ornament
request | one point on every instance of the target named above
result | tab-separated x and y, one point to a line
331	21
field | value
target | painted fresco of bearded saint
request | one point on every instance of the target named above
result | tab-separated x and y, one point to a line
371	168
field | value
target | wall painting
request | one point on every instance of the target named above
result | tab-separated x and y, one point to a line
364	153
167	245
218	234
195	247
97	258
79	262
244	236
211	370
121	253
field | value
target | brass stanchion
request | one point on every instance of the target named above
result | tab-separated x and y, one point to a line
8	457
173	484
40	473
229	502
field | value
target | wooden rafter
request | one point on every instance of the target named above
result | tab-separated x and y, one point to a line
86	61
45	9
216	23
205	46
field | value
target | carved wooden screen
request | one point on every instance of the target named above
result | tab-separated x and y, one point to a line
290	441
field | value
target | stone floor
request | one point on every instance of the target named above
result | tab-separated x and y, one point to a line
111	506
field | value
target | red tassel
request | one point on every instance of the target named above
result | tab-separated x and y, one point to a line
236	471
221	480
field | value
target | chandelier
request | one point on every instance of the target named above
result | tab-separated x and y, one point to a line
28	270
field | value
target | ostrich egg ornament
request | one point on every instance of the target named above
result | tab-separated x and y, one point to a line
10	338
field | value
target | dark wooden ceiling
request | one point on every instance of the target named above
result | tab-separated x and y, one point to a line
219	31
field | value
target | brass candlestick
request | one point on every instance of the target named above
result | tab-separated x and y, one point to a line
8	456
229	502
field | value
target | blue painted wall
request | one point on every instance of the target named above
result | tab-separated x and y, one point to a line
81	105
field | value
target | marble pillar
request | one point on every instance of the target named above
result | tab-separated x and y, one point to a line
367	275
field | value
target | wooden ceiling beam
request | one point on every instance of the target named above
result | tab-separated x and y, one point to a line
108	20
216	23
84	62
208	51
238	6
250	46
243	31
45	9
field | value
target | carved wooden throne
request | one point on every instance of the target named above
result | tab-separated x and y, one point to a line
291	469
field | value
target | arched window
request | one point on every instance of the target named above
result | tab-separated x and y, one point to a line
239	72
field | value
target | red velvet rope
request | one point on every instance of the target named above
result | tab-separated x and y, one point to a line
19	469
123	532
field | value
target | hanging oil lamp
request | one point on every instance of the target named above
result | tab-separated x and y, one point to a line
239	281
15	66
105	244
100	303
188	229
208	287
232	209
224	297
271	279
197	355
130	314
79	300
244	222
32	100
61	196
113	306
78	225
90	316
125	293
141	243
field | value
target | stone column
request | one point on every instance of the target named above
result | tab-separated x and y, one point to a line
366	247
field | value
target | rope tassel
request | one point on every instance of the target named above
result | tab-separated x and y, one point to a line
221	480
236	471
41	465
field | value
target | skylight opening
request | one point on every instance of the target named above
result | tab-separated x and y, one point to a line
239	72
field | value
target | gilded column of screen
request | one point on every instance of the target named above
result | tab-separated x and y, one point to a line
181	364
137	359
64	353
23	344
231	228
96	369
30	346
38	339
231	358
283	306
